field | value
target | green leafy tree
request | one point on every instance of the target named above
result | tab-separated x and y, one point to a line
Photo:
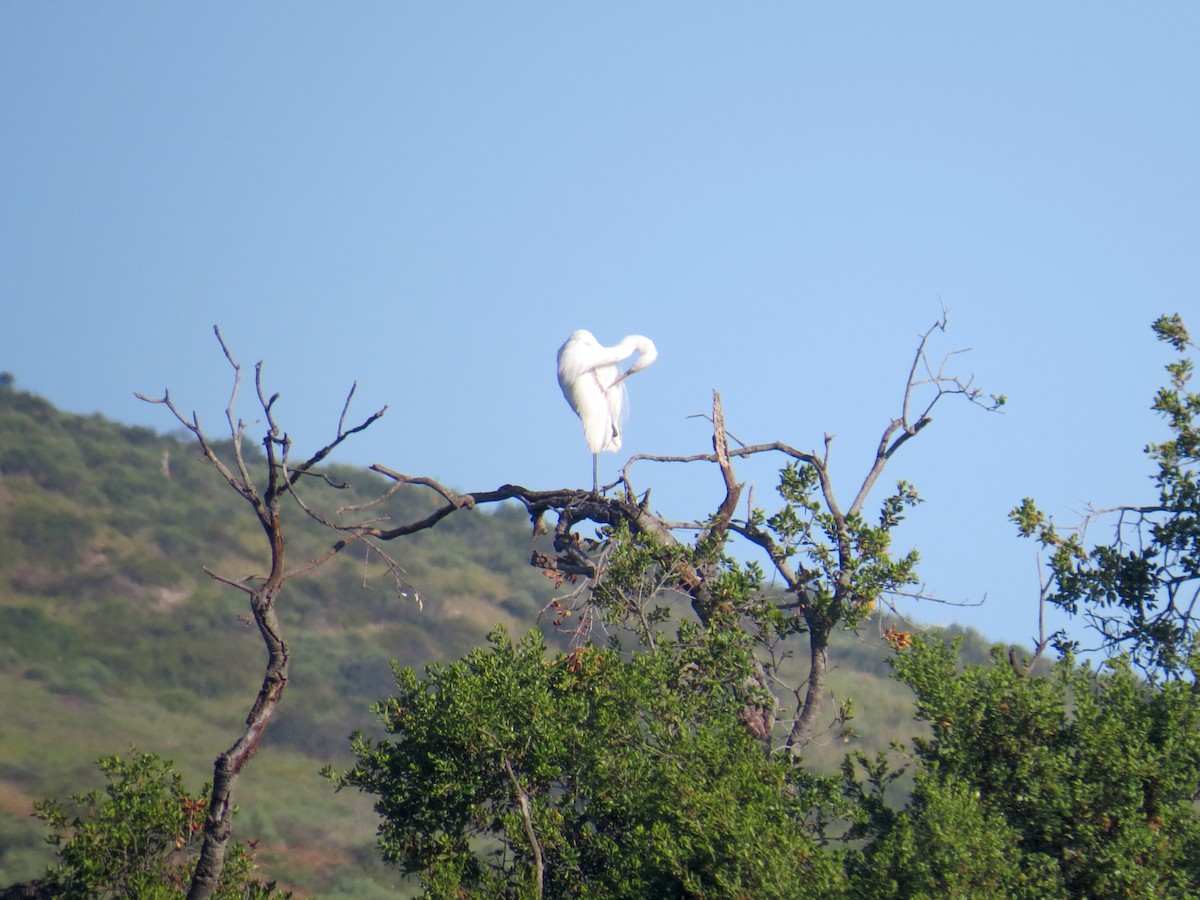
139	837
1081	784
1139	590
512	773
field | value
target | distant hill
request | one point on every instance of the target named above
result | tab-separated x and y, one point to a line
111	635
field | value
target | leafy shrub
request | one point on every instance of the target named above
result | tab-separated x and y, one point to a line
138	837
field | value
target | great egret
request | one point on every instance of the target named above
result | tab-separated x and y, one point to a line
594	385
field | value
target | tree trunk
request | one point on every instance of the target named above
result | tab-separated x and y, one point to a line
229	765
806	723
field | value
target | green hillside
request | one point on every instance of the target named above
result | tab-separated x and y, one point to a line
112	635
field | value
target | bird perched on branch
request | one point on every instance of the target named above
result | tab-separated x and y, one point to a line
594	385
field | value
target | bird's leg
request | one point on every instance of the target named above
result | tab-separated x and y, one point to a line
595	476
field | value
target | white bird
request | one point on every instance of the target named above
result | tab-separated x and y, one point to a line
594	385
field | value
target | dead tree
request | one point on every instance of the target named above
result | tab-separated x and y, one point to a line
267	497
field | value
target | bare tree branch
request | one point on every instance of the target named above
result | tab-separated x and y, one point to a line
1043	640
523	806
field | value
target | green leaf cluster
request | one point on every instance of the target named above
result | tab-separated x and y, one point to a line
638	571
847	560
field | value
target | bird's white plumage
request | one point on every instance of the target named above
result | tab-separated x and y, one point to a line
592	382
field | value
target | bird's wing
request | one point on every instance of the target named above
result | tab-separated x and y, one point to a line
589	398
617	399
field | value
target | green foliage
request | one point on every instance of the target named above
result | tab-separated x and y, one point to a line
1139	590
848	561
137	838
1172	330
640	779
637	571
946	845
1075	785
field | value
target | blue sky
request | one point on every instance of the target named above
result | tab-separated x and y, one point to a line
429	198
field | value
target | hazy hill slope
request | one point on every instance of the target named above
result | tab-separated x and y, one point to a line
111	634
